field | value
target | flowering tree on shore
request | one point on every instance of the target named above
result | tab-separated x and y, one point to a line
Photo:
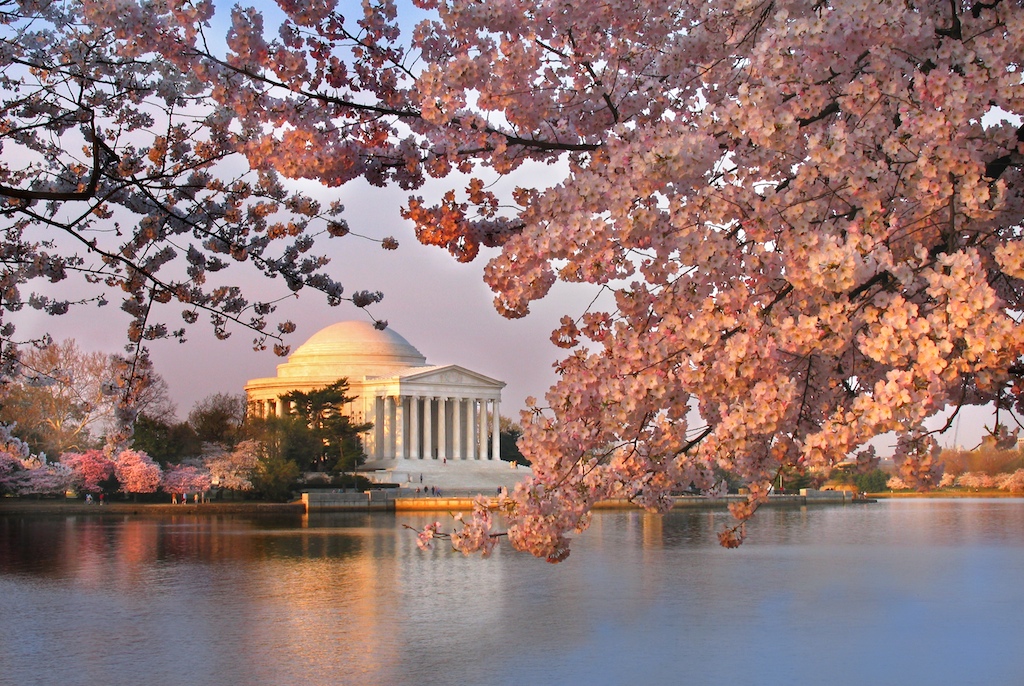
806	218
14	452
1004	481
234	469
42	477
137	472
63	401
976	480
185	479
1013	482
89	469
22	473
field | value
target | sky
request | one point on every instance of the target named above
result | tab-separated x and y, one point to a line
440	306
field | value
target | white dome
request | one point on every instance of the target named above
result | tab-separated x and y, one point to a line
354	350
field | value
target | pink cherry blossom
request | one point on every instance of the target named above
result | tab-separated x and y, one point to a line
185	479
137	472
88	469
234	469
803	213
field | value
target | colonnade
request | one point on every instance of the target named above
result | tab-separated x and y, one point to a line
418	427
269	407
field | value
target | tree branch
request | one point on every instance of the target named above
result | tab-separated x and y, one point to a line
88	192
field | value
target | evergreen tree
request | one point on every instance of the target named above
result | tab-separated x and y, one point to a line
166	442
508	436
335	438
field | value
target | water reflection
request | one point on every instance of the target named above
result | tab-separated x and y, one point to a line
71	546
925	590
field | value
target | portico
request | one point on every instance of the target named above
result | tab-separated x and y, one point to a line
433	413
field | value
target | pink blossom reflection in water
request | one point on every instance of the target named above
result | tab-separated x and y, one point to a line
901	592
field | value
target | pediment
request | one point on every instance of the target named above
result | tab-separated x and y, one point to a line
449	375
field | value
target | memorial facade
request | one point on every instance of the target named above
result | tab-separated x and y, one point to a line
419	411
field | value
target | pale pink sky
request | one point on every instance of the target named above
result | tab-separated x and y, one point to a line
440	306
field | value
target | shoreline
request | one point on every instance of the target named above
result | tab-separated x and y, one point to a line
10	506
16	506
895	495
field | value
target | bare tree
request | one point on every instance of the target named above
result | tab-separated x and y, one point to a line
63	399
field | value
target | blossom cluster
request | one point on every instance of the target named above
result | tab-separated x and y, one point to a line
809	218
132	471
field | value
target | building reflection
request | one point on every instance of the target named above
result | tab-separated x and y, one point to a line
349	599
324	590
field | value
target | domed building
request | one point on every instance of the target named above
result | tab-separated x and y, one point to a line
420	413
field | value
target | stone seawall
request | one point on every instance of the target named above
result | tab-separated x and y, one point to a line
331	501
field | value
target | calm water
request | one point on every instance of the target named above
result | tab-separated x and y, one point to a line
906	592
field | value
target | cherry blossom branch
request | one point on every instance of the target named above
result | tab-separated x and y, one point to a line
90	187
157	283
408	113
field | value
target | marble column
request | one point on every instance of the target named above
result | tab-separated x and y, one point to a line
442	428
389	427
458	439
470	429
482	455
400	437
495	431
428	428
378	426
472	424
414	428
